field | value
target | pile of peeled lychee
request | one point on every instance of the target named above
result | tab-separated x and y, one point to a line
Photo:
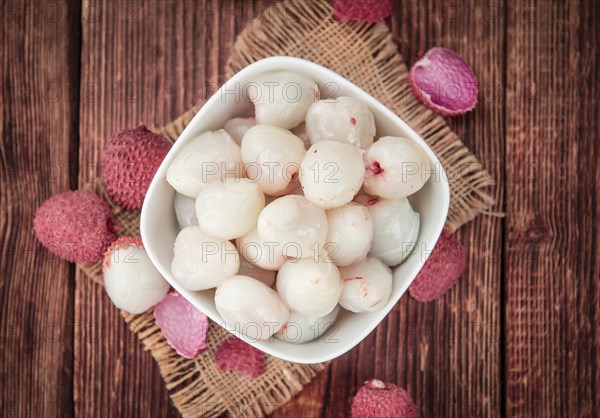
296	211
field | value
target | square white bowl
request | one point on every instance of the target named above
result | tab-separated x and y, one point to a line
159	225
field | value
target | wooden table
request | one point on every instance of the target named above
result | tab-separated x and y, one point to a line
518	336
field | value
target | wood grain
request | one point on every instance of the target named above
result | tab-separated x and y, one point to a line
150	62
38	138
519	334
552	255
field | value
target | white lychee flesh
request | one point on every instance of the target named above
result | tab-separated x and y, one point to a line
237	127
301	328
342	119
229	209
395	226
395	167
132	282
272	158
331	173
212	156
185	210
310	286
297	225
250	307
202	262
367	285
349	233
252	270
262	253
282	98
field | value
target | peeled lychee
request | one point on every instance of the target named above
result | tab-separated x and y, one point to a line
310	286
131	280
209	157
367	285
395	167
370	11
444	82
331	173
282	98
250	307
237	127
445	265
343	119
185	210
131	158
183	325
377	399
234	355
301	328
202	262
76	226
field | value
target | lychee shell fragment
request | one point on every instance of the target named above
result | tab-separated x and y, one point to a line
182	324
445	265
444	82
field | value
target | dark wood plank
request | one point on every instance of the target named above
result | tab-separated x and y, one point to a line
446	353
38	138
149	62
552	254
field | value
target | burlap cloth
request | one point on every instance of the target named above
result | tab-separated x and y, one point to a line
366	55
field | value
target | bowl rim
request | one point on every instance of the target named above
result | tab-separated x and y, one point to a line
289	63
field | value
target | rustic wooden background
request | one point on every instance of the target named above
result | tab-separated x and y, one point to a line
518	336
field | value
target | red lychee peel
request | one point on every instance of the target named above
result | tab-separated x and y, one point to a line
182	324
445	265
76	226
444	82
130	161
377	399
235	355
370	11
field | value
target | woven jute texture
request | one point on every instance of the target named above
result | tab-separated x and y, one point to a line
366	55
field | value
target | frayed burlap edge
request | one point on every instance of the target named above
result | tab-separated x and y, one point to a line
366	55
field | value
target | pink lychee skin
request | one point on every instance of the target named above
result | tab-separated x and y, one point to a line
370	11
444	82
131	158
443	268
377	399
76	226
182	324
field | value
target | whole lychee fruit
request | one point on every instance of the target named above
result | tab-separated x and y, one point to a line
377	399
130	161
76	226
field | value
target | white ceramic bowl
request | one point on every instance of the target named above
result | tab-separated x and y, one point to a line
159	225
